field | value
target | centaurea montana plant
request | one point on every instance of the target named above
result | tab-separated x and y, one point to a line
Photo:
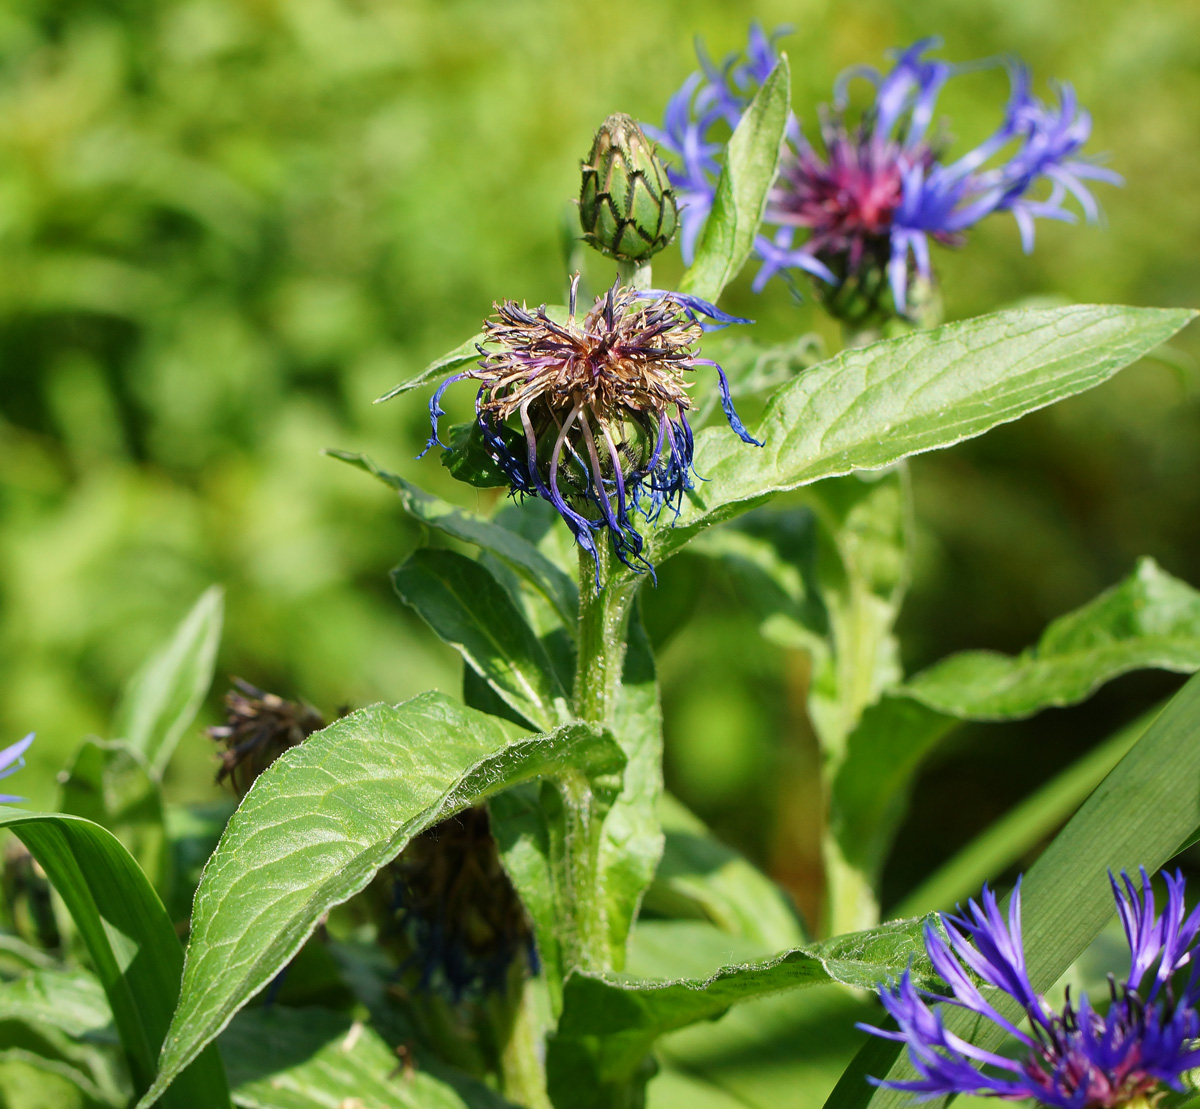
869	204
591	414
481	868
1078	1058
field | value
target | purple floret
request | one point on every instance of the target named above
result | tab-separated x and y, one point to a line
1074	1059
12	759
874	194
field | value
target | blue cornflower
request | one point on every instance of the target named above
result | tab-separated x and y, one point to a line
591	415
882	189
1076	1059
11	760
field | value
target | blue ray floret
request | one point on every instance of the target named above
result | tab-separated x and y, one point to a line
1074	1059
12	759
591	415
882	189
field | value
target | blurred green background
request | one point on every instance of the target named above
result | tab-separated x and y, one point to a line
227	225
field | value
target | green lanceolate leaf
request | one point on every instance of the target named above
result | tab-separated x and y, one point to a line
110	784
1149	621
321	821
751	162
462	356
539	839
756	369
472	612
867	408
132	944
608	1024
1140	815
164	696
58	1021
516	551
771	554
282	1058
521	823
699	876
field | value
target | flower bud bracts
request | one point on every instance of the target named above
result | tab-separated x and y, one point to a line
591	415
626	204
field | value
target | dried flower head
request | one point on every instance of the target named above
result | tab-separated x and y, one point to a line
1074	1059
454	911
866	206
258	728
591	415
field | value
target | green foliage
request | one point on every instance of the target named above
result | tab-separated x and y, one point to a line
608	1025
162	699
464	355
303	1058
58	1023
1023	827
865	409
471	612
503	542
631	838
131	942
699	876
1149	620
318	825
110	785
223	230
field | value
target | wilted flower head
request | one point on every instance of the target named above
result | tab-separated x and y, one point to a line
12	759
258	728
591	415
452	910
1076	1059
862	209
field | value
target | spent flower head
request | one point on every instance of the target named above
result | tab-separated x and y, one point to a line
591	414
258	728
453	913
861	209
12	759
1078	1058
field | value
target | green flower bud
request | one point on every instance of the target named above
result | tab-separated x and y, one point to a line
626	204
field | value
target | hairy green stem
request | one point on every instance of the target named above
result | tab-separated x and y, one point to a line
635	274
606	593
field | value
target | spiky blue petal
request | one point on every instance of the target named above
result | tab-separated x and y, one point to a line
12	759
1073	1059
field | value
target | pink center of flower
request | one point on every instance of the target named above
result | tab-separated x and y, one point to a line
847	202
